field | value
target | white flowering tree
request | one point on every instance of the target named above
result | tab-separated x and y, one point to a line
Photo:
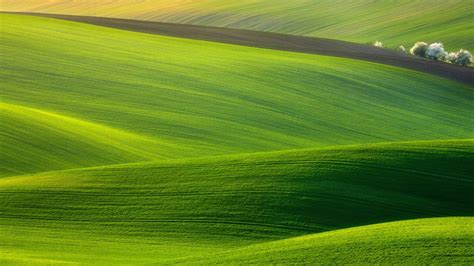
419	49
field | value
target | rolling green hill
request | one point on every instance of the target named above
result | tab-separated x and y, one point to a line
161	211
126	148
112	96
445	241
392	22
27	133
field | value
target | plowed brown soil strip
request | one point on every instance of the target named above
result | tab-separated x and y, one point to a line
283	42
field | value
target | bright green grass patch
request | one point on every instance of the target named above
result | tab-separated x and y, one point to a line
33	140
392	22
425	241
154	212
198	98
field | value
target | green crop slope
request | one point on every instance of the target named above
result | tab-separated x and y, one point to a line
444	241
155	212
392	22
71	143
143	97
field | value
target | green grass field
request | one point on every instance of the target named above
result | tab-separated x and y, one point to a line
127	148
183	98
392	22
444	241
161	211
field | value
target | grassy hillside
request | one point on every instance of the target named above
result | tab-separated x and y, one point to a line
91	116
34	141
445	241
111	96
392	22
154	212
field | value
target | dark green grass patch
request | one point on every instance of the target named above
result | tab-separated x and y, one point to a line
196	207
